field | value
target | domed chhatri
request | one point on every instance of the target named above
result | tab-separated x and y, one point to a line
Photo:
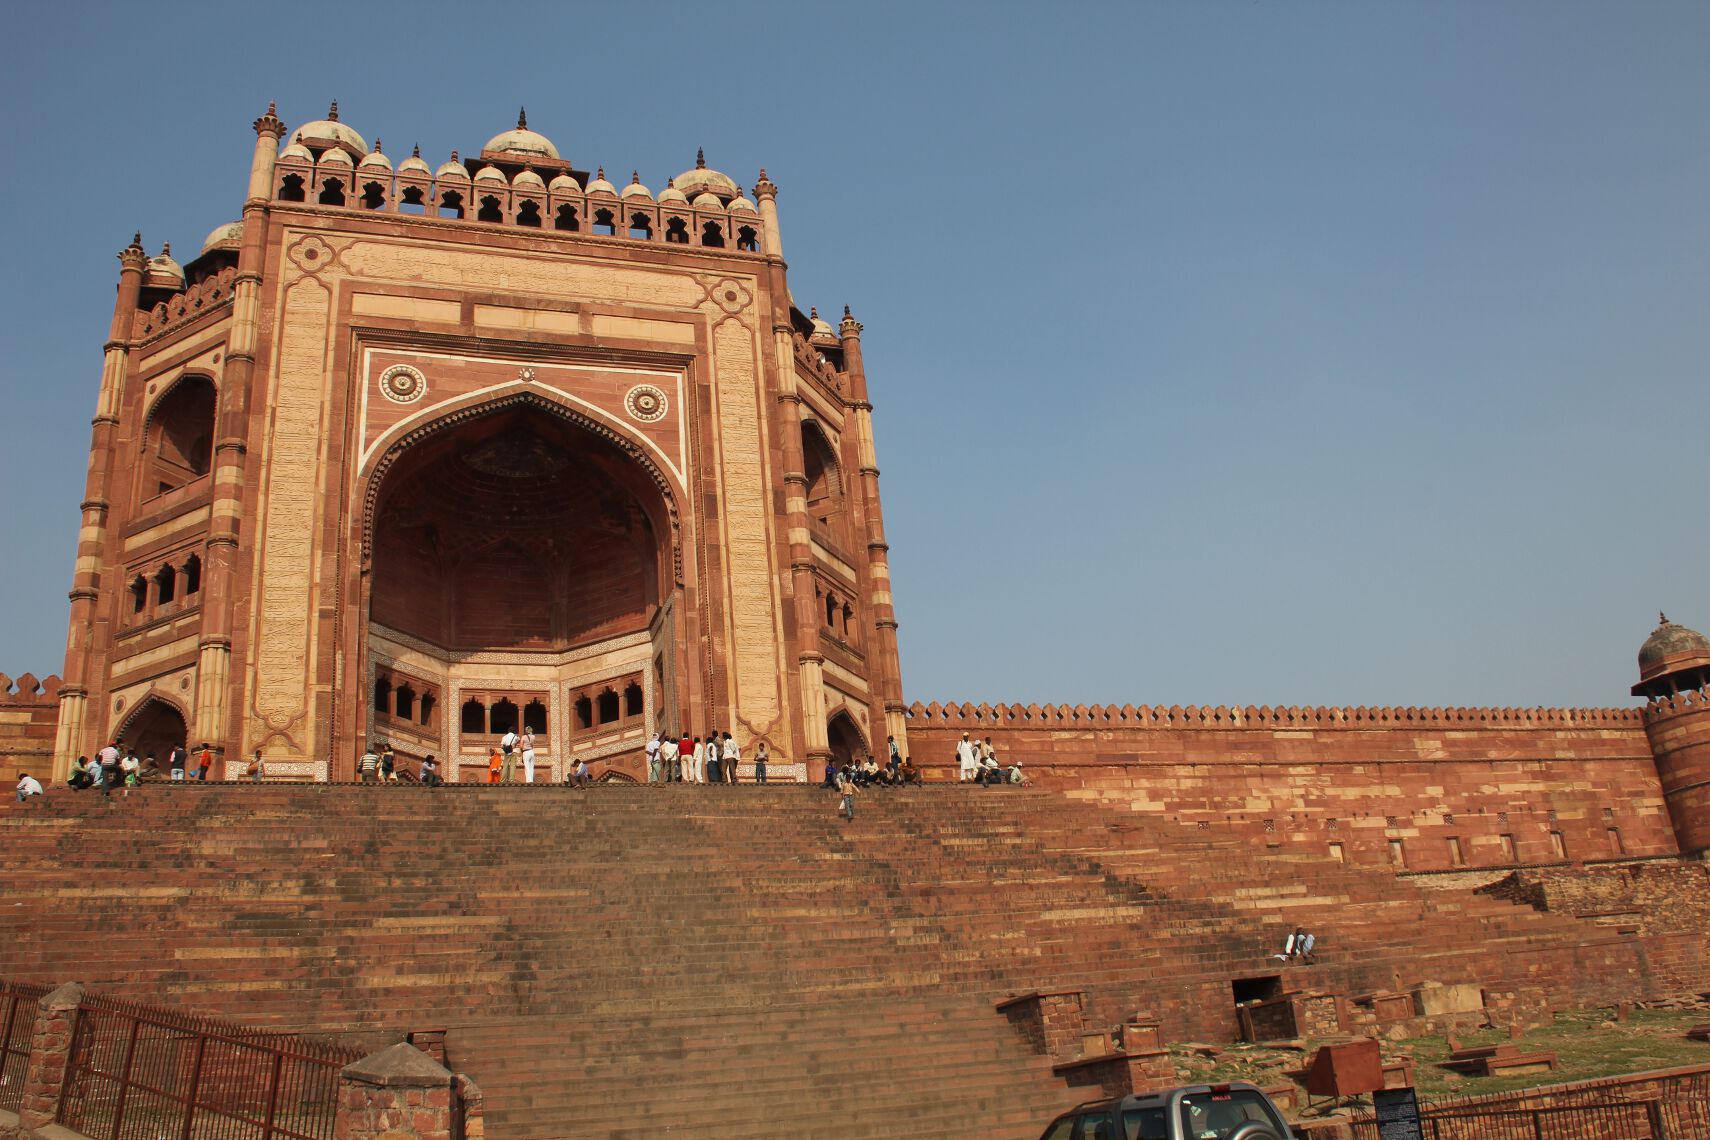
702	180
1667	643
1673	659
522	142
327	133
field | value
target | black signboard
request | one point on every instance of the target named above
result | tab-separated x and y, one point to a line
1397	1114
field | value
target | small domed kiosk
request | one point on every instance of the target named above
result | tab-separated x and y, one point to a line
1674	677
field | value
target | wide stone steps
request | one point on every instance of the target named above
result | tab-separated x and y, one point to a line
732	962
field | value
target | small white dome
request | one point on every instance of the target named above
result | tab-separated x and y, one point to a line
528	180
452	169
600	186
329	132
228	236
743	206
296	150
707	200
414	165
522	141
635	189
672	194
490	174
335	158
375	161
163	270
564	184
703	180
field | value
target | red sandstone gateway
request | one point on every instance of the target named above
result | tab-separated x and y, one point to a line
1236	1111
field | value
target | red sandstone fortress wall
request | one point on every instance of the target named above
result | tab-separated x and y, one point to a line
29	713
1451	787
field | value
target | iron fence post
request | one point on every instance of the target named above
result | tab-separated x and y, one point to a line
195	1085
125	1079
1654	1117
272	1095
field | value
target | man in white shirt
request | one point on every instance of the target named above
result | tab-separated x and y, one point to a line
28	786
967	759
653	758
732	757
508	764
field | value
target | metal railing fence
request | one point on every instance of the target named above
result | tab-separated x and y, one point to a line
1668	1106
137	1073
17	1027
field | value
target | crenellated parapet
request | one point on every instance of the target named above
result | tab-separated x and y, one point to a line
207	296
27	690
1234	717
1684	703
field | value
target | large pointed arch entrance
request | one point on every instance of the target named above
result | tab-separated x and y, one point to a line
844	737
523	574
153	728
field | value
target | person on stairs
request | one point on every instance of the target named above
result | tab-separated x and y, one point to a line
847	789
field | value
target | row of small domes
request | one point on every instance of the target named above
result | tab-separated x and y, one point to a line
341	145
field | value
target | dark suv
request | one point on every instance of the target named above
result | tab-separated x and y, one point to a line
1236	1111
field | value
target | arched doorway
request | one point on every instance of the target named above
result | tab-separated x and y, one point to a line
153	729
521	559
845	739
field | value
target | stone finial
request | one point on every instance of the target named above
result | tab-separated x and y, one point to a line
269	123
849	326
813	312
134	256
166	249
600	174
377	147
522	118
332	112
700	159
635	178
1662	618
454	157
670	184
765	187
416	151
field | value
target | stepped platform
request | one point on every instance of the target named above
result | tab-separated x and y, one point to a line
624	961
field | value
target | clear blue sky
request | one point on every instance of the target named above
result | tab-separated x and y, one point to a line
1222	352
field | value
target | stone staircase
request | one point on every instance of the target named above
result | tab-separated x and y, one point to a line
732	961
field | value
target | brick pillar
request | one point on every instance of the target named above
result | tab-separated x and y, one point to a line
1050	1021
50	1053
399	1093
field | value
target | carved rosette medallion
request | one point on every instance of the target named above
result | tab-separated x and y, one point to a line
311	254
646	403
402	384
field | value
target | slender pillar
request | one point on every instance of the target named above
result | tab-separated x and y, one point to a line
887	667
810	662
231	445
73	736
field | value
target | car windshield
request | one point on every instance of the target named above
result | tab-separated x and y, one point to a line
1214	1115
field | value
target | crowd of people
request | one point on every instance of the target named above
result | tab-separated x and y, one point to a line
711	759
118	766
